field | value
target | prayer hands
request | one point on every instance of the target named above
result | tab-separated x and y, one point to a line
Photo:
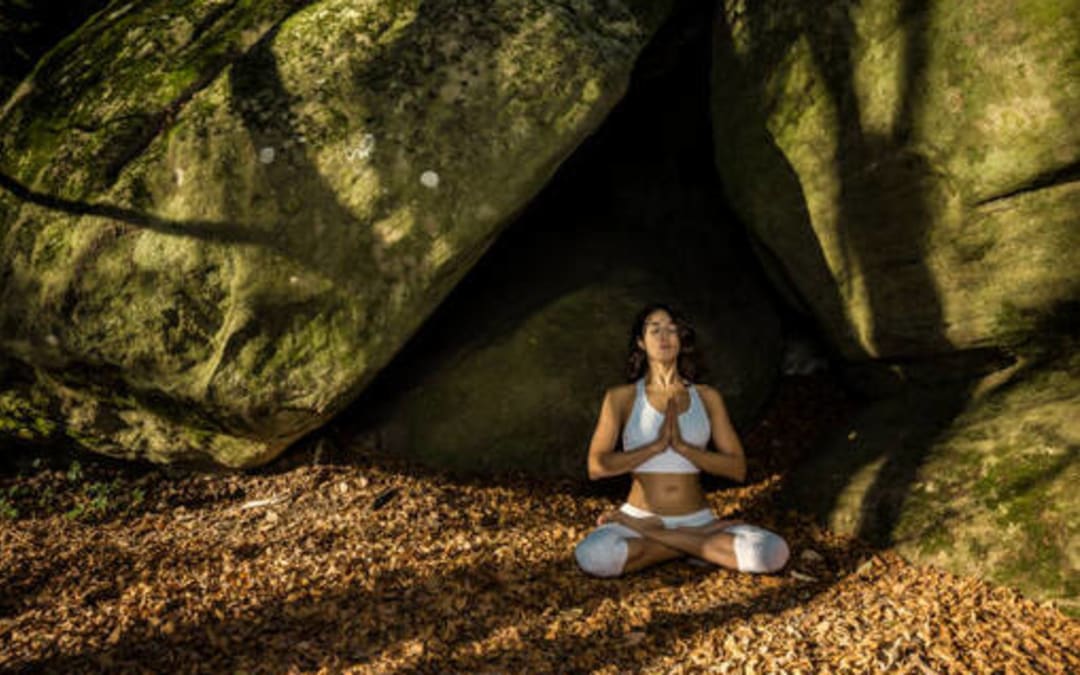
665	428
671	422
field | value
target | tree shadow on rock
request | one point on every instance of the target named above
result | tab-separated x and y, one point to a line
888	195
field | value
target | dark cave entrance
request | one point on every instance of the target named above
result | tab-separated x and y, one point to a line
640	195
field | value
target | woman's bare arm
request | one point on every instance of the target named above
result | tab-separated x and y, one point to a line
604	461
729	460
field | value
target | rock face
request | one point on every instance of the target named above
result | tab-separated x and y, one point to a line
909	171
978	478
909	168
221	220
997	497
511	370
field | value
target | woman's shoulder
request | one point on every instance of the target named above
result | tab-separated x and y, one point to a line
621	392
621	399
708	392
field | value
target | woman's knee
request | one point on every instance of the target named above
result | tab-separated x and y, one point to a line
758	550
602	554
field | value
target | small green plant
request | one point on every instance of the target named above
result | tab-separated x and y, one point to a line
74	472
98	499
46	498
7	509
92	500
98	494
77	494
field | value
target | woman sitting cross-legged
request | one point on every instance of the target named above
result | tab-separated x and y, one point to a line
667	422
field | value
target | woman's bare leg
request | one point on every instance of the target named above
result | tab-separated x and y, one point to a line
641	553
707	542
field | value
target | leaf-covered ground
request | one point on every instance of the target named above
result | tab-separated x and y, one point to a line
341	559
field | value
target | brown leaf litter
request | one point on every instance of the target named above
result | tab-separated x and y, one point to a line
365	563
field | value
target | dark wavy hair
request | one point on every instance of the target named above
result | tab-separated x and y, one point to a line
689	362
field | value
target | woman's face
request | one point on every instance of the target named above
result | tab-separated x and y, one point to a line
661	337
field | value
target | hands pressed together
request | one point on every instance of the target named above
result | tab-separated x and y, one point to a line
669	431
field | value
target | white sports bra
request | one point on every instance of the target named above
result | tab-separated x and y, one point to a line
643	427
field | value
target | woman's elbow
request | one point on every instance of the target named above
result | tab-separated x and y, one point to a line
736	471
595	471
598	469
740	471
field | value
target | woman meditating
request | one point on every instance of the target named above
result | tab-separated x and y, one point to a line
667	422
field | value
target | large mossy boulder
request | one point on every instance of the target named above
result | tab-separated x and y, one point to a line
510	371
979	478
907	168
908	173
221	220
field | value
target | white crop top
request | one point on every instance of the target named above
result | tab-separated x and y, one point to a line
643	428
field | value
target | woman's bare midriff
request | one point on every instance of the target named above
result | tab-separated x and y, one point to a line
667	494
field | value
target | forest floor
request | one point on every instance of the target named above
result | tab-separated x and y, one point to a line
340	559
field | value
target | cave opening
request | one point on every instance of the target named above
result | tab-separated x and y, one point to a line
636	214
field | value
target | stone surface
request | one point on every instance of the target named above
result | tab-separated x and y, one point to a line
221	220
909	169
909	172
978	478
996	496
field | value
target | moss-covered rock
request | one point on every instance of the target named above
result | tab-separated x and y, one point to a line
979	478
909	167
909	171
997	494
222	219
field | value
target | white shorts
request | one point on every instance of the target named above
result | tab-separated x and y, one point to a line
695	519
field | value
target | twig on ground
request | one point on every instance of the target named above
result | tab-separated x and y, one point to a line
270	501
